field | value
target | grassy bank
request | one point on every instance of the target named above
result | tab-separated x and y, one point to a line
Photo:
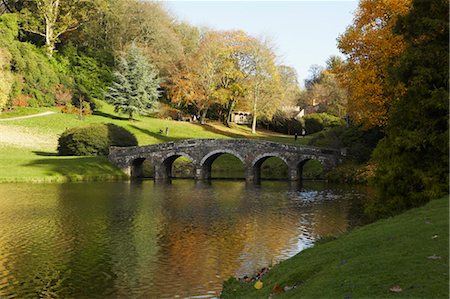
28	146
401	257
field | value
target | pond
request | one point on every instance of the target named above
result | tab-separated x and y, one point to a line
157	240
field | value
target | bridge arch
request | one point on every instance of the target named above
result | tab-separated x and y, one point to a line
163	170
137	167
255	167
206	162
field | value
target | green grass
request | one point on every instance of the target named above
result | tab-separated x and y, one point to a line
24	165
37	161
24	111
367	262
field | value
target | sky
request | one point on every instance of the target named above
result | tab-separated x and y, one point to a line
304	32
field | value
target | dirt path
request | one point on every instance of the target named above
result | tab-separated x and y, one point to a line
28	116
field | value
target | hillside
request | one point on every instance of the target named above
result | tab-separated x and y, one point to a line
28	146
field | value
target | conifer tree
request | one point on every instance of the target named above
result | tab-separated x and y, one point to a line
134	89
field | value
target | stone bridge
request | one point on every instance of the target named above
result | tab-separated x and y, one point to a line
203	152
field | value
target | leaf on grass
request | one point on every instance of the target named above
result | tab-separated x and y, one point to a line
396	289
277	289
258	285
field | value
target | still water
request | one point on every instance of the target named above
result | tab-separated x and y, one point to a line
150	240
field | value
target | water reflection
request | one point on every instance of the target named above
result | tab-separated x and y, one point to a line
142	239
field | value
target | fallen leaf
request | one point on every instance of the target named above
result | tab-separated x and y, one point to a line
277	289
258	285
434	257
396	289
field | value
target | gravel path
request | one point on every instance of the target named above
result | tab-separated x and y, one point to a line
28	116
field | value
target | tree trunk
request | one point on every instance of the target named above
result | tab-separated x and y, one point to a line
49	44
255	102
203	116
230	108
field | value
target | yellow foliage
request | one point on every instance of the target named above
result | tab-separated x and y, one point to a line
371	47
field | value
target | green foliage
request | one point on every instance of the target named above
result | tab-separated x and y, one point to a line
350	173
35	74
358	142
413	157
6	77
52	18
9	27
93	140
313	124
282	123
90	76
134	89
316	122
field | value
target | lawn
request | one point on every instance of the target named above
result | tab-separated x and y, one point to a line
28	146
401	257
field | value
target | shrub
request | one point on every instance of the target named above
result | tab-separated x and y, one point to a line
93	140
352	173
282	123
359	142
313	124
63	95
316	122
21	100
329	138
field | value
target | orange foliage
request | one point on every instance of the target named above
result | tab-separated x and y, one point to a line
371	47
21	100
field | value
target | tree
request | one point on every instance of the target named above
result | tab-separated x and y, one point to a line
330	94
52	18
201	78
325	90
264	81
233	84
289	84
135	85
413	157
315	75
371	47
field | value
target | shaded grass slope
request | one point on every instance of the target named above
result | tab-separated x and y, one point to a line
401	257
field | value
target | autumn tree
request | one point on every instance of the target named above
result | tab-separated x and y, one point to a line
264	80
323	88
53	18
233	83
134	89
413	158
289	85
209	75
371	47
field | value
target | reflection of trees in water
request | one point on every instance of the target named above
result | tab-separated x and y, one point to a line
225	229
125	239
32	249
